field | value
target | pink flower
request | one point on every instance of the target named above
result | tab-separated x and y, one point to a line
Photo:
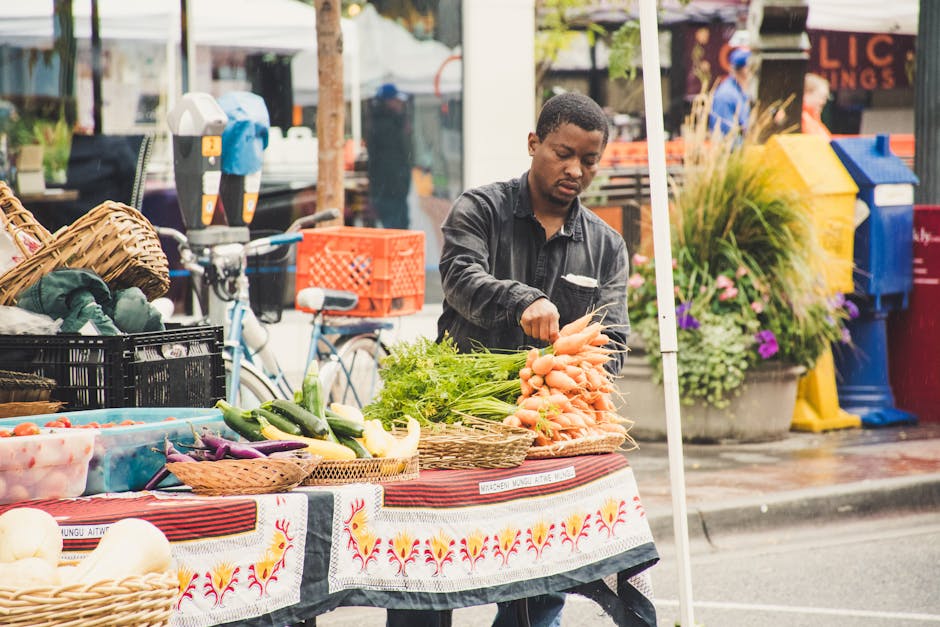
723	282
636	281
676	290
741	271
675	263
640	260
728	293
757	306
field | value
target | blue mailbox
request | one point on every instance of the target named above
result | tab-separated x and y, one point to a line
884	240
884	275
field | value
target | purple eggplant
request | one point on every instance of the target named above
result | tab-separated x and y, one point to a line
157	478
276	446
235	449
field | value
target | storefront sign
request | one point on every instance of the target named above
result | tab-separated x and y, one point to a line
862	60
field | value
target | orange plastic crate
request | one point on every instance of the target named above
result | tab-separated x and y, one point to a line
385	267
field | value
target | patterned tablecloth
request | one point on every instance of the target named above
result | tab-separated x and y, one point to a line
449	539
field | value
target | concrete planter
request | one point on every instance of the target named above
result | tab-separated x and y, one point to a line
763	411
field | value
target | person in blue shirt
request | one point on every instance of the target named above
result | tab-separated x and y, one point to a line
730	104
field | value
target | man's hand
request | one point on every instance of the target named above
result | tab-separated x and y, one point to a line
540	320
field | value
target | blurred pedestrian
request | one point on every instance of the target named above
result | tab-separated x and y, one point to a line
388	145
731	105
815	96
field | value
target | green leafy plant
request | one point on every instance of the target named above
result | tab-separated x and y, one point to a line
55	136
744	287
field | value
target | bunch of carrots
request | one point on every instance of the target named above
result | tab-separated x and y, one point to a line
566	392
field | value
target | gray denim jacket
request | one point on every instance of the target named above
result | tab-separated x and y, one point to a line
496	262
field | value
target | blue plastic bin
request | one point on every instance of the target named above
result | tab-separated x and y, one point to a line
124	459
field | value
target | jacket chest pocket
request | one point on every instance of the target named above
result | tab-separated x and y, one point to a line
573	300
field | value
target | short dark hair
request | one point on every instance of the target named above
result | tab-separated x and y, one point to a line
571	108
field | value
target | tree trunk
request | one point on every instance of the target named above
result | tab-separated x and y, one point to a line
331	107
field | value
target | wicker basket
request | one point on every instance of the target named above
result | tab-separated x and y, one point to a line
244	476
145	601
112	240
29	408
375	470
17	216
474	444
24	387
590	445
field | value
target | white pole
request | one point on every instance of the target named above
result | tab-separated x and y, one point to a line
665	299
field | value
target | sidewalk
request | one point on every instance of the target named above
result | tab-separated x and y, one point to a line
736	487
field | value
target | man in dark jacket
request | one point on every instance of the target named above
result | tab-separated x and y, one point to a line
524	257
388	144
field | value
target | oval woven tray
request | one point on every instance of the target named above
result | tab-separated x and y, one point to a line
474	444
590	445
244	476
29	408
375	470
141	601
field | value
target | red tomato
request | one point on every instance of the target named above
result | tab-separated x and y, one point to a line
55	424
26	428
65	420
127	422
92	425
107	425
169	418
4	433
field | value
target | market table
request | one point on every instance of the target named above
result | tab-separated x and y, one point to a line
452	538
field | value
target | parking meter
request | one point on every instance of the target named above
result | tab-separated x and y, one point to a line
197	122
243	142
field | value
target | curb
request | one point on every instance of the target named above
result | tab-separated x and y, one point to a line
828	503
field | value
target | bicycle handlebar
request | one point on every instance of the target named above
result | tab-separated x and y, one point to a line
307	221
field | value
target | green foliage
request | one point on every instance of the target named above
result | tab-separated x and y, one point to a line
745	287
624	44
54	136
431	381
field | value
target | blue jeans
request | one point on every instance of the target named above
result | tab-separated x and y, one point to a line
544	611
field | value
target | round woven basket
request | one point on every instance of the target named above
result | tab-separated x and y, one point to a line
19	217
244	476
375	470
589	445
145	601
475	443
114	241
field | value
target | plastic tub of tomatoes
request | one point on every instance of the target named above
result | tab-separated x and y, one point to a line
42	463
129	440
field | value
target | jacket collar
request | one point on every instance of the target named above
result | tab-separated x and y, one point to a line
572	227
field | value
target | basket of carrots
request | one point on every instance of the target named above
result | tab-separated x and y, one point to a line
566	395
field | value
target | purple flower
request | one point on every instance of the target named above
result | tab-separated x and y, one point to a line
852	309
684	319
767	344
846	336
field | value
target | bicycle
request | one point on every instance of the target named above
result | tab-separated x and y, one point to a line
347	351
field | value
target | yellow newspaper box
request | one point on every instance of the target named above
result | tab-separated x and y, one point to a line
807	163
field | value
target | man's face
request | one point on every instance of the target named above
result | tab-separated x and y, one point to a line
565	163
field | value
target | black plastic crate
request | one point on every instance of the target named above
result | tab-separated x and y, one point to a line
174	368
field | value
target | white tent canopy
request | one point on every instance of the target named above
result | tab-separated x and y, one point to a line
864	16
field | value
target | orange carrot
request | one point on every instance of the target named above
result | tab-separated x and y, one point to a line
574	344
532	356
611	427
543	365
527	417
561	381
527	388
534	403
576	326
541	440
599	340
525	373
560	400
536	381
595	379
512	420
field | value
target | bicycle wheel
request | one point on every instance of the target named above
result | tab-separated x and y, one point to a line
253	386
352	377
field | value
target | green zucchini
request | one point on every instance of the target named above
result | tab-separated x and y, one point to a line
310	424
359	449
313	399
278	421
343	426
240	421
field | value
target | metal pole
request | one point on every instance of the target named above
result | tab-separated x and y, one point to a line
95	68
665	298
186	52
926	99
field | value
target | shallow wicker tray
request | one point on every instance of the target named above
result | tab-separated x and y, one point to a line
375	470
29	408
24	387
474	444
140	601
244	476
590	445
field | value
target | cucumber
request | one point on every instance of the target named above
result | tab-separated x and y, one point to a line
278	421
359	449
343	426
310	424
240	421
